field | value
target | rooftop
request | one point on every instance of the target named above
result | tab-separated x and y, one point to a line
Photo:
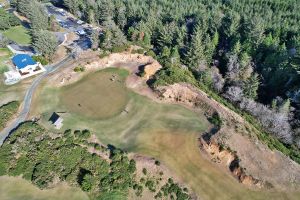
22	60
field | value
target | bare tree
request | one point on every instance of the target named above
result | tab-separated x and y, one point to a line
234	93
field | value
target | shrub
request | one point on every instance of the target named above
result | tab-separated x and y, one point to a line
3	69
40	59
104	54
79	69
138	51
157	163
4	41
144	171
215	120
7	111
151	53
119	49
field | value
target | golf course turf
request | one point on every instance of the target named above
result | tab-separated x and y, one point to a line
16	188
167	132
97	99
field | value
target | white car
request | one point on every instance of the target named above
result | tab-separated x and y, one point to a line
81	32
79	22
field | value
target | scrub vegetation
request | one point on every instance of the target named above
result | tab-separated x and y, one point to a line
45	159
7	111
5	55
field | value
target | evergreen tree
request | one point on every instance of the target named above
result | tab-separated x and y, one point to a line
105	9
45	43
113	36
174	55
166	35
72	5
251	86
95	39
147	40
38	16
195	56
24	7
7	20
120	14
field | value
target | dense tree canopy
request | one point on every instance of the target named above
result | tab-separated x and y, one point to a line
43	41
46	158
247	46
7	20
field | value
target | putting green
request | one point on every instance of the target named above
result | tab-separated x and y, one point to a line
97	96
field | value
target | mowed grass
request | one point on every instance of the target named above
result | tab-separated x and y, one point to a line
18	34
166	132
15	188
96	99
5	55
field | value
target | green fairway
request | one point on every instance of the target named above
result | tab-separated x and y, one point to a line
18	34
166	132
13	188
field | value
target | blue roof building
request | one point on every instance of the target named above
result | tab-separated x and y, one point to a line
22	60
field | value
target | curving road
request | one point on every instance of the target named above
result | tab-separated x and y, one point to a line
29	94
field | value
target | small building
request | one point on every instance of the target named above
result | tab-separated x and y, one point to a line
25	64
56	120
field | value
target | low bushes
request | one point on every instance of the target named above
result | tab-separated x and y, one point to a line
40	59
79	69
7	111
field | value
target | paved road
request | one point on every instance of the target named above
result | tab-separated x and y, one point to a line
28	97
70	25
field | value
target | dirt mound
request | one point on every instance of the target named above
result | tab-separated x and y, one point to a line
228	158
91	61
256	160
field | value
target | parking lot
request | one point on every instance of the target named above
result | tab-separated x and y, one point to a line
71	24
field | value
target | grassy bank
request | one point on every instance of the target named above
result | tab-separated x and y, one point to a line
7	111
5	55
16	188
18	34
175	75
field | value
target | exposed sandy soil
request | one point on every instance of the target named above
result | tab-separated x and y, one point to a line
22	18
92	62
71	37
3	53
256	158
60	53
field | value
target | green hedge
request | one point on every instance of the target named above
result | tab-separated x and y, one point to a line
40	59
